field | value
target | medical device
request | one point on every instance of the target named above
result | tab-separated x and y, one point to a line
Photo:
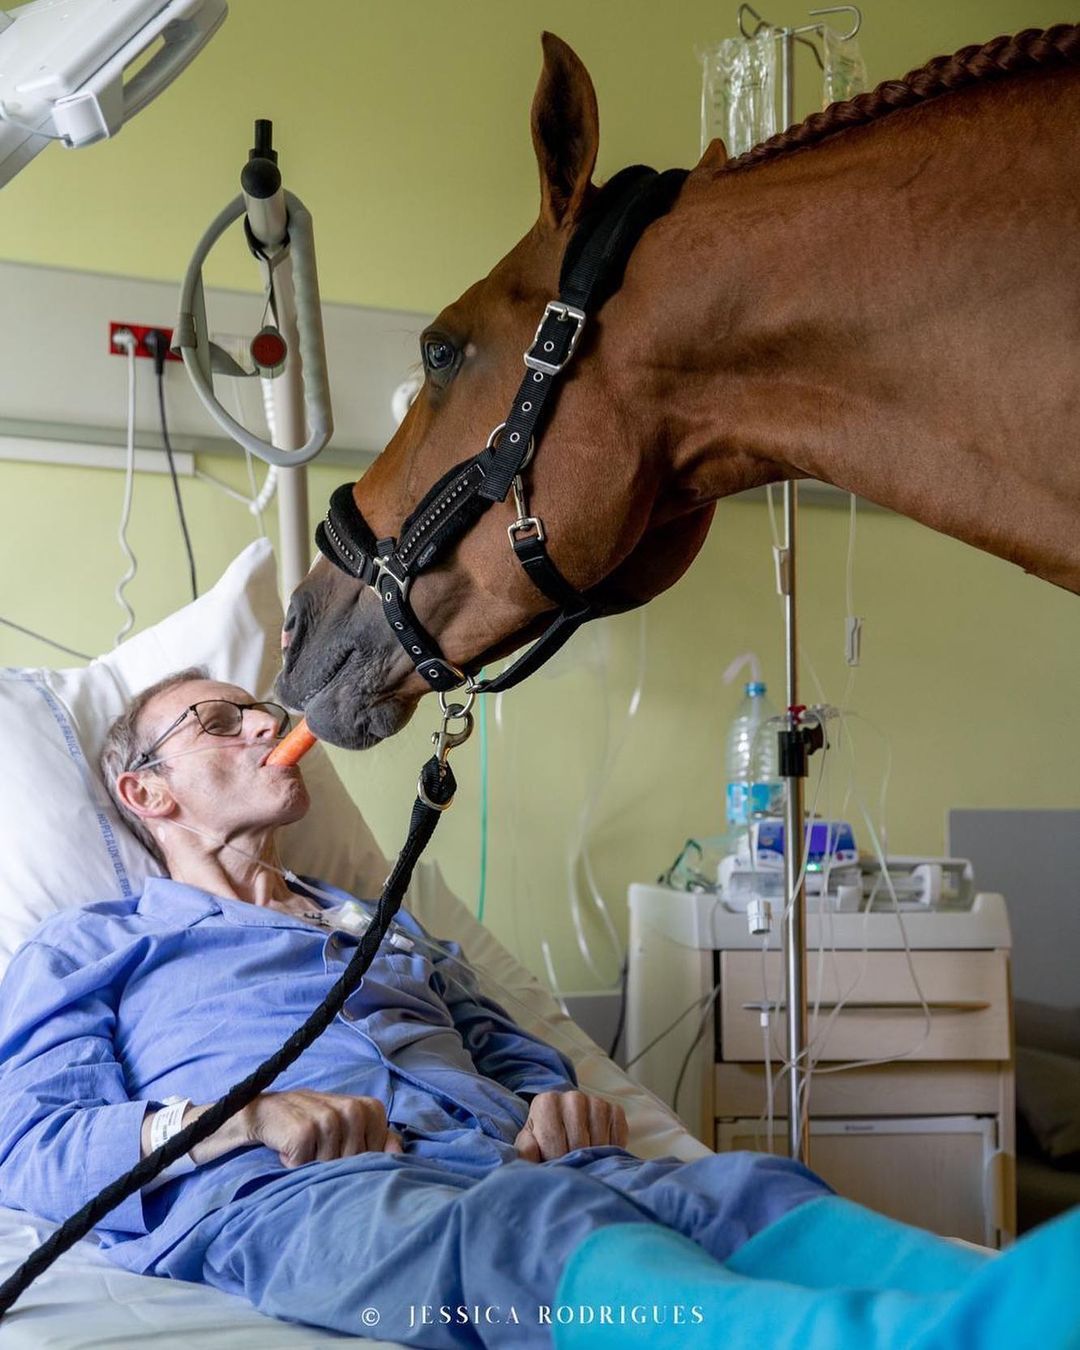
289	355
830	843
852	885
755	870
62	67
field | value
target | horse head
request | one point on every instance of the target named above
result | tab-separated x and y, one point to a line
616	529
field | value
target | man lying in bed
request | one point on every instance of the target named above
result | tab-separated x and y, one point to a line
424	1153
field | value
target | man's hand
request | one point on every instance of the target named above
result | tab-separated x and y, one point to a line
559	1122
302	1126
306	1126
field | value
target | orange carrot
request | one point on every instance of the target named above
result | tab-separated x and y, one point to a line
295	745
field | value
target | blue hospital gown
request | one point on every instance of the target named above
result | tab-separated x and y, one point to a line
110	1008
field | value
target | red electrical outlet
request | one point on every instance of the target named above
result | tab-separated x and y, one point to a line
139	331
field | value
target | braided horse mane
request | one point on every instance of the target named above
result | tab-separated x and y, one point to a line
1031	49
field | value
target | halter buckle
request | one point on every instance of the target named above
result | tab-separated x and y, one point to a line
384	568
564	313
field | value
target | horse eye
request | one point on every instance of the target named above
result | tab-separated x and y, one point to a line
438	354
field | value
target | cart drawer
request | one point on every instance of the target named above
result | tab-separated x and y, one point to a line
869	1006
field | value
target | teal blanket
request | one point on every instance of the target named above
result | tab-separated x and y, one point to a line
830	1275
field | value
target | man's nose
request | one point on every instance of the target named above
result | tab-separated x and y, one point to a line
265	724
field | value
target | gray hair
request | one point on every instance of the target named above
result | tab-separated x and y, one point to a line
125	742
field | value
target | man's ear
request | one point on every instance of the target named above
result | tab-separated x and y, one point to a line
148	798
715	156
565	131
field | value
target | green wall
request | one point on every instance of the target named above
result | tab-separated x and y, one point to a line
405	129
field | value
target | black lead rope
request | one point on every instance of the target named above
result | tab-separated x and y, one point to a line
437	785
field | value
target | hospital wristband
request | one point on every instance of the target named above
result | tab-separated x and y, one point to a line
166	1122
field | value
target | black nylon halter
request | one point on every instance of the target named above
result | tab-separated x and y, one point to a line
592	270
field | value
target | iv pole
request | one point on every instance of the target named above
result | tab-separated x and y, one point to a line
797	742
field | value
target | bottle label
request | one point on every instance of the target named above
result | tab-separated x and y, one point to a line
746	800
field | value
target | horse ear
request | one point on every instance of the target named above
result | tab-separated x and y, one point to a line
565	131
715	156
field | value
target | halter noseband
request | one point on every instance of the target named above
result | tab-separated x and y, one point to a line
592	270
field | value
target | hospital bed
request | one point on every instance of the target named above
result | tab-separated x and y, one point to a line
53	722
63	845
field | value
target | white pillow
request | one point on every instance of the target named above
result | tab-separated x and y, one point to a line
63	844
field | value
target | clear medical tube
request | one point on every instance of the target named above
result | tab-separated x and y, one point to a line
579	854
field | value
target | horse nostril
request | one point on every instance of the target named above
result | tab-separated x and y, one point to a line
289	629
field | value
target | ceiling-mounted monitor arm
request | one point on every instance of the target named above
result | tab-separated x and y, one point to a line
62	67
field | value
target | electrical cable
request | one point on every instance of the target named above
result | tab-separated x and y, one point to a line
621	1019
10	623
696	1003
126	339
226	488
693	1045
158	345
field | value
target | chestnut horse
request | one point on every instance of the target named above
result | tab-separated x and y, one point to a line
886	298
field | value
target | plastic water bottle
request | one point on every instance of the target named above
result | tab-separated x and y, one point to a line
754	787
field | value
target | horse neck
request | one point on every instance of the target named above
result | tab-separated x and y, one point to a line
892	311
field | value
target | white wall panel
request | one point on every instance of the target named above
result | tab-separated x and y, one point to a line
58	379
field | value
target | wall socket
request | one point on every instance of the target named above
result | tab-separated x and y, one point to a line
139	331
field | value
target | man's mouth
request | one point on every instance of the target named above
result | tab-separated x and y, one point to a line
263	764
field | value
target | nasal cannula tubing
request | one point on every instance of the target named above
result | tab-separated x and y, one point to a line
572	1038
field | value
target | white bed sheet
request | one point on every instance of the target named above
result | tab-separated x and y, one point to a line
84	1302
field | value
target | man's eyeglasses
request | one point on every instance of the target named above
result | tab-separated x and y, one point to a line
218	717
